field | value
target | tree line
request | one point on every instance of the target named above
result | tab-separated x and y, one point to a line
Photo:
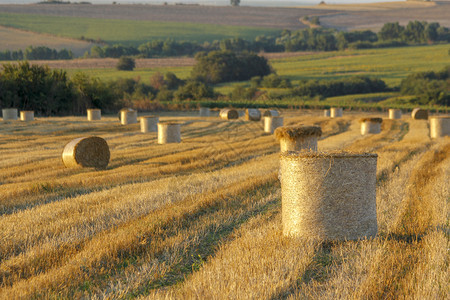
312	39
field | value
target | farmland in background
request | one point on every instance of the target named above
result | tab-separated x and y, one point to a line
202	219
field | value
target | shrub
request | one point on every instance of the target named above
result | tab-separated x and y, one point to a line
126	64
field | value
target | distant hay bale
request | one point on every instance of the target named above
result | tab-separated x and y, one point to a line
94	114
87	152
395	114
128	116
296	138
204	112
26	115
439	126
328	196
272	123
419	114
149	124
326	112
252	114
336	112
9	114
169	132
271	113
229	114
370	125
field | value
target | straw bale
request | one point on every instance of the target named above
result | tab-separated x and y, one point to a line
271	113
439	126
149	124
9	114
26	115
370	127
229	114
336	112
252	114
87	152
94	114
204	111
272	123
169	132
328	196
296	138
419	114
395	114
326	112
128	116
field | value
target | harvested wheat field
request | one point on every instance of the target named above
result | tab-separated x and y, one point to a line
202	218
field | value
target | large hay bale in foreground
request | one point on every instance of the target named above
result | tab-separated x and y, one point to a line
26	115
370	125
296	138
336	112
94	114
204	112
395	114
326	112
272	123
271	113
419	114
9	114
149	124
169	132
88	152
229	114
128	116
328	196
252	114
439	126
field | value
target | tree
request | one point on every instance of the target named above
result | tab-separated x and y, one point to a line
235	2
126	64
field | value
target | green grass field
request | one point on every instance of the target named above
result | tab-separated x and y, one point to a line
128	32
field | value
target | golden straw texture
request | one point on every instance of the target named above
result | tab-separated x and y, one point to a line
229	114
9	114
149	124
252	114
128	116
328	196
86	152
370	127
272	123
94	114
439	126
395	114
169	133
26	115
419	114
296	138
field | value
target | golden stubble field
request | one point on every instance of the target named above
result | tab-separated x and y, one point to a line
202	219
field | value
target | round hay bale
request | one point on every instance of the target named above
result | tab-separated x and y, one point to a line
272	123
328	196
87	152
271	113
419	114
9	114
296	138
326	112
149	124
229	114
370	125
27	115
128	116
336	112
395	114
169	133
204	112
252	114
94	114
439	126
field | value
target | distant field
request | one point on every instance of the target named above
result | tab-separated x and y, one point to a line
128	32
